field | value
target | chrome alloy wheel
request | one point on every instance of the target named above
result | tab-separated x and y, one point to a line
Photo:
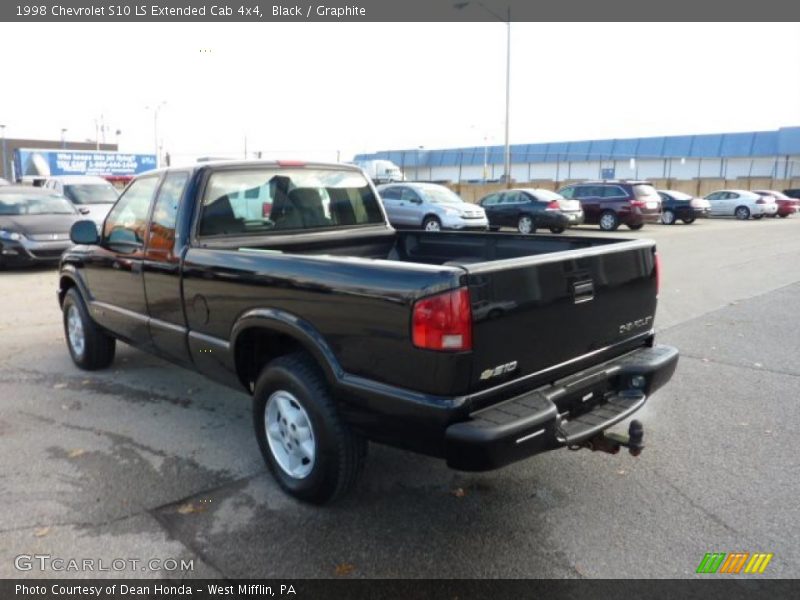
77	338
607	222
289	434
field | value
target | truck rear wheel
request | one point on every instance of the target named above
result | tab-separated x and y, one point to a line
90	347
312	453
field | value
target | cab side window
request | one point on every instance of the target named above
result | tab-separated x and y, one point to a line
126	224
162	225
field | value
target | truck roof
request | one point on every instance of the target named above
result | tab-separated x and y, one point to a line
232	164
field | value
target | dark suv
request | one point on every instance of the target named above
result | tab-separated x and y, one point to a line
612	203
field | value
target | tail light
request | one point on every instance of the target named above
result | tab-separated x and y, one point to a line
553	205
266	209
291	163
638	203
443	321
657	258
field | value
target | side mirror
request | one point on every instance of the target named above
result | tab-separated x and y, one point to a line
84	232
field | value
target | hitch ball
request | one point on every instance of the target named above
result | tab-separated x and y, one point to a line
635	438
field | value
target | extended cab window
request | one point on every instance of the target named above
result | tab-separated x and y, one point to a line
126	224
257	201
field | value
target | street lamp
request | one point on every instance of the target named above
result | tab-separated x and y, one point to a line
63	137
507	21
155	109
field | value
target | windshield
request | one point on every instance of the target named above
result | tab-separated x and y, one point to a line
253	201
23	204
89	193
441	195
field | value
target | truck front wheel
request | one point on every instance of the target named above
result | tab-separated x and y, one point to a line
91	348
312	453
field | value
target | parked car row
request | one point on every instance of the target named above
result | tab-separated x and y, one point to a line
608	204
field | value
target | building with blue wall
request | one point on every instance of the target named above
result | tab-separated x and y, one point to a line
773	154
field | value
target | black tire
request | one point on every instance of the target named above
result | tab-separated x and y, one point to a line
431	223
668	217
636	227
609	221
783	216
742	213
339	453
757	217
689	221
98	346
557	230
526	224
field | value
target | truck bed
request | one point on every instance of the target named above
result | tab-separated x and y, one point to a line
543	305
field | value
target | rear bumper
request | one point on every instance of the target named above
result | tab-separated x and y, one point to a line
559	219
637	217
563	414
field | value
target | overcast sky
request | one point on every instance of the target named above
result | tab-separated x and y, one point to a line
310	89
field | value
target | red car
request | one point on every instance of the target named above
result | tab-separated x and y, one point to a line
786	205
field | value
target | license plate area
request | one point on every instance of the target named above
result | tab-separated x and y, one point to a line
581	401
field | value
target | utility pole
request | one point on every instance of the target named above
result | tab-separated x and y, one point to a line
3	130
155	110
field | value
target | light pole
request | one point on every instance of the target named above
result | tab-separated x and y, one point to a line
155	109
63	137
3	130
507	21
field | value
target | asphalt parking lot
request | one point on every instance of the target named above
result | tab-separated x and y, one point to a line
146	460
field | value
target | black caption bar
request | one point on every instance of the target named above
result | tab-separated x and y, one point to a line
389	589
396	10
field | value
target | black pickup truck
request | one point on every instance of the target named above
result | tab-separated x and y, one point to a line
285	280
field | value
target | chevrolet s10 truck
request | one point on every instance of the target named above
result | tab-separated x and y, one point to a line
285	280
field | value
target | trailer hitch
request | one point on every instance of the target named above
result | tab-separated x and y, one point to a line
612	442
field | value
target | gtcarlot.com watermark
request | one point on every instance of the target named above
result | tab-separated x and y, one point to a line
59	564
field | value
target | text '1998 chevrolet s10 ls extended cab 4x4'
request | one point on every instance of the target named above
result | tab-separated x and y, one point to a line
286	281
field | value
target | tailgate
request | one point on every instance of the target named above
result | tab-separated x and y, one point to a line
533	314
